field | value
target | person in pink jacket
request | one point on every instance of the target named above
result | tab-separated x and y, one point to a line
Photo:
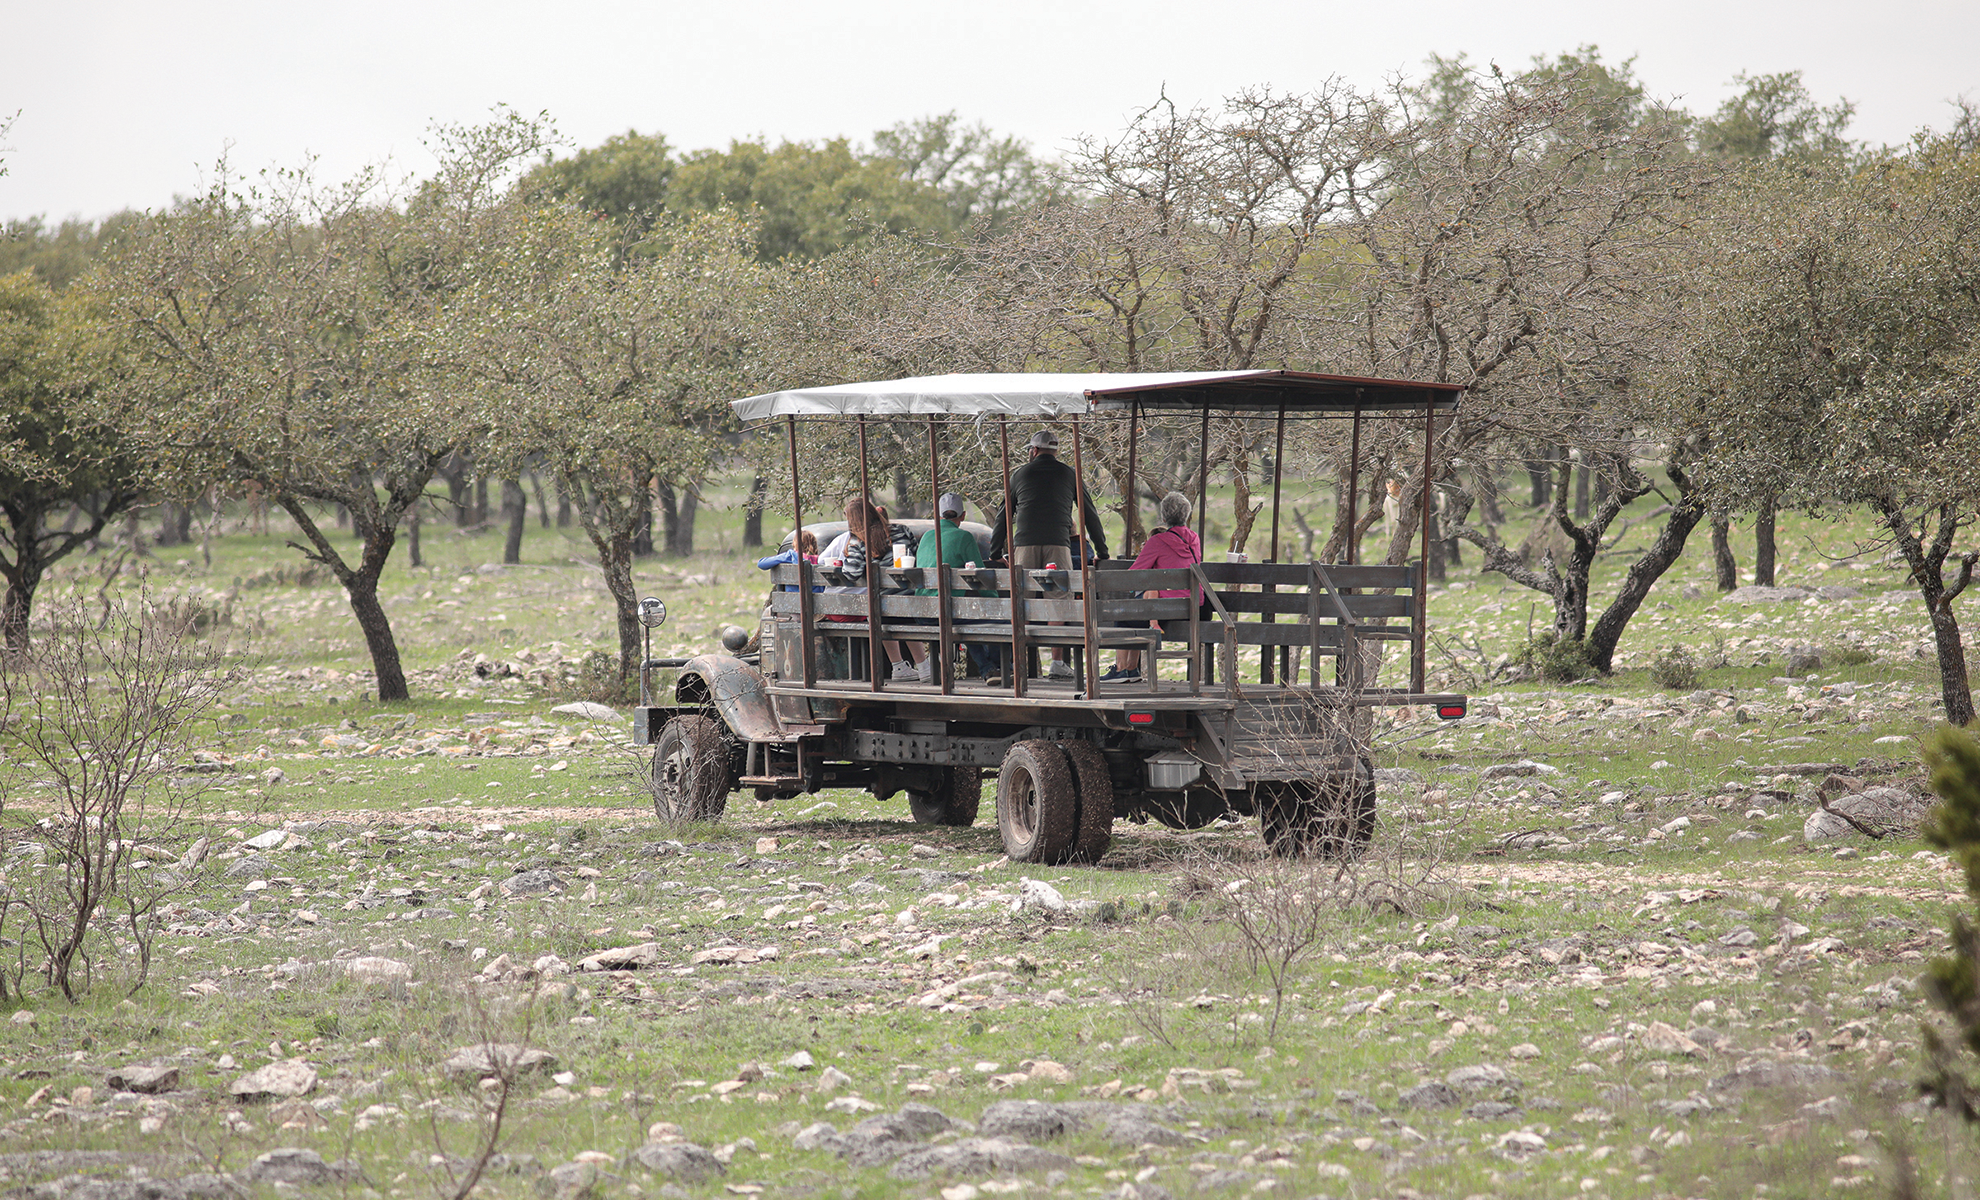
1173	545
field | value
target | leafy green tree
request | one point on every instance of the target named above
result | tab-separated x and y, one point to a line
1776	117
60	255
807	198
61	446
985	181
613	375
1775	124
272	332
1835	356
623	180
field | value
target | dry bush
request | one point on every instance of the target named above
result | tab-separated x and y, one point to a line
1264	915
100	717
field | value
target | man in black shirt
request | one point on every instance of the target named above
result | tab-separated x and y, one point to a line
1036	523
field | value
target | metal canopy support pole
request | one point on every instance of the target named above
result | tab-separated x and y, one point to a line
873	650
1128	514
1203	506
1349	543
1089	670
1278	476
1203	477
943	674
804	576
1020	665
1421	625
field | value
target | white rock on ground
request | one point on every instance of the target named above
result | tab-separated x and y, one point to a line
374	971
1887	810
281	1080
589	710
1034	894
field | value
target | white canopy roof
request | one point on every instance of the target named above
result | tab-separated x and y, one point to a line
1067	393
1026	395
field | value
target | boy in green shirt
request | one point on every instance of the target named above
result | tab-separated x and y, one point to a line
957	547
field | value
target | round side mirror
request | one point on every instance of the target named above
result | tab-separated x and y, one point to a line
652	612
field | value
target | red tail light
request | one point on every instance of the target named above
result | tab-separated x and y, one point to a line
1450	712
1135	718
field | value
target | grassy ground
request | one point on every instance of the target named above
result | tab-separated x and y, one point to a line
1595	956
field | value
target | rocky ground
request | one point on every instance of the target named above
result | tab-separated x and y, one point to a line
1613	940
1577	985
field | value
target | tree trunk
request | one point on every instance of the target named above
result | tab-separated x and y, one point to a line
412	537
455	472
1244	514
377	629
23	577
171	531
1582	471
612	528
680	539
670	519
563	505
1643	573
542	501
480	500
1763	540
619	582
752	536
1927	563
1724	565
1541	481
1435	564
642	543
360	584
515	507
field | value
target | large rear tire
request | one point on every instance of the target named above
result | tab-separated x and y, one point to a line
1333	818
1096	801
1037	808
957	795
690	770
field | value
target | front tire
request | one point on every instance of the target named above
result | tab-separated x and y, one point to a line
690	771
1037	808
957	795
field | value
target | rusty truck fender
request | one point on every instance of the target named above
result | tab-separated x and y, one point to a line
737	692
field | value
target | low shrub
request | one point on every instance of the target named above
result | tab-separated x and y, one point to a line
1675	670
1557	660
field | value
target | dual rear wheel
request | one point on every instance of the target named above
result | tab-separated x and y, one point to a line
1055	802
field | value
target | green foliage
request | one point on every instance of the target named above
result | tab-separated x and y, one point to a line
62	443
1954	757
1556	659
60	255
1953	981
810	199
1776	117
1675	670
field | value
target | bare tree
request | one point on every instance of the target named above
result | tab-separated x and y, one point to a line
106	715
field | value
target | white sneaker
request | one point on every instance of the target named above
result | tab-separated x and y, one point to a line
925	670
905	671
1060	669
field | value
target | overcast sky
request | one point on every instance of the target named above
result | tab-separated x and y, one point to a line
127	104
